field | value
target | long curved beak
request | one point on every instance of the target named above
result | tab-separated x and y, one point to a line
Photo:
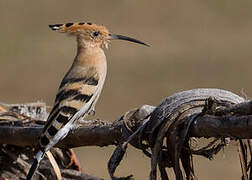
115	36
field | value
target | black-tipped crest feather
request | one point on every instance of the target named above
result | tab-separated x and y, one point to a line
55	27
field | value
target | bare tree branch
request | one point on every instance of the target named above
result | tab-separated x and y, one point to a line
102	133
195	113
91	135
231	126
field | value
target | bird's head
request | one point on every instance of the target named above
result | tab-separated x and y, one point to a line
90	35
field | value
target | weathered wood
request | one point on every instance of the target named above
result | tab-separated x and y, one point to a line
15	163
227	126
101	133
195	113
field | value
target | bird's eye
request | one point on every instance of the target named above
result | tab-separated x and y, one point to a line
95	34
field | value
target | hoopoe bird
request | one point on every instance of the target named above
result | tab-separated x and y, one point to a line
81	87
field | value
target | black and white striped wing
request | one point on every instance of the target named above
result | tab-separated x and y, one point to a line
74	95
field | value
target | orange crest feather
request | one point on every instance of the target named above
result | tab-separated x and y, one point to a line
78	27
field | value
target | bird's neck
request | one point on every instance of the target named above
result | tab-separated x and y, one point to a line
90	56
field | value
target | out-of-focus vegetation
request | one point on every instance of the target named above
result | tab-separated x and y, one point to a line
193	44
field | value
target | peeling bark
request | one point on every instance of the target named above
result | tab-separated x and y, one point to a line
195	113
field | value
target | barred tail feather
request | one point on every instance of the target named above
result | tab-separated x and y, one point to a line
35	164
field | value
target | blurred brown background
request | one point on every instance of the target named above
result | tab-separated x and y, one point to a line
194	44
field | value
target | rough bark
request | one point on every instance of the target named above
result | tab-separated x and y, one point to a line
99	133
195	113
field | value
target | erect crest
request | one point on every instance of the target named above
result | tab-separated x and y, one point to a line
79	27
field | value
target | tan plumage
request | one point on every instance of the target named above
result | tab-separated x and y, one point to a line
81	86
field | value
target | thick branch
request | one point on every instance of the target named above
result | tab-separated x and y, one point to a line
212	126
194	113
92	135
97	133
